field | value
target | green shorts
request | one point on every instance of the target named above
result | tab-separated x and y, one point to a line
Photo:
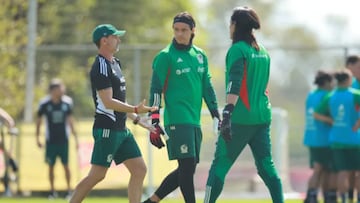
347	159
52	151
184	141
113	145
322	156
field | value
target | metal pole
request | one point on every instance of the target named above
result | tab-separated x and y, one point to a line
30	61
281	129
137	76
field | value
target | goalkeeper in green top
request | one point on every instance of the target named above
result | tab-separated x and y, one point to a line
181	75
247	114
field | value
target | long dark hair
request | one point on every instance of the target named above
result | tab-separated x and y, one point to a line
186	17
245	20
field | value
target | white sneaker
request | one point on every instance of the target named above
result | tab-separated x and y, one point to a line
53	195
68	195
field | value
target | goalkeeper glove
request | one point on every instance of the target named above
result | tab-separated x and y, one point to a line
225	129
216	120
155	137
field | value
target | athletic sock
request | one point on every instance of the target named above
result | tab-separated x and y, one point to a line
169	184
186	179
311	194
343	197
330	196
326	195
351	194
333	196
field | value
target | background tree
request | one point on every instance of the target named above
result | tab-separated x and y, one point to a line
12	55
63	23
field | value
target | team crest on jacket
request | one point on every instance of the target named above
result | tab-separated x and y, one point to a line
200	58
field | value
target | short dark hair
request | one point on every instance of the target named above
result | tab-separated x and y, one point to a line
97	43
352	59
322	77
245	20
342	75
55	83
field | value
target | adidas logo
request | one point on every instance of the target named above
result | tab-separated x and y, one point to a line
179	60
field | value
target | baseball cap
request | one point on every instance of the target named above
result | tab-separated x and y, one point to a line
105	30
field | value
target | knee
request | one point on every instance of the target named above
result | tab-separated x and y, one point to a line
96	177
139	171
318	168
266	167
187	166
99	177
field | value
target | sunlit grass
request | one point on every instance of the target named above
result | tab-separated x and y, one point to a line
124	200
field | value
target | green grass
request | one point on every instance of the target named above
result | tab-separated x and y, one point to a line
33	170
124	200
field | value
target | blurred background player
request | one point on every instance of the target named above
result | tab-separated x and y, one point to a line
8	121
247	114
113	141
57	108
339	108
316	138
353	64
181	75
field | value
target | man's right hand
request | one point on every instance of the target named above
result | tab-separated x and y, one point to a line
142	108
155	136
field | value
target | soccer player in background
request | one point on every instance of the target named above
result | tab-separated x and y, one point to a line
339	108
353	64
113	141
181	75
247	114
316	138
57	108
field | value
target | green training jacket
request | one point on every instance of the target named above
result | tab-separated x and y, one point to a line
183	78
247	75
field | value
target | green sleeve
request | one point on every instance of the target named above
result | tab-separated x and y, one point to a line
160	68
208	89
236	62
323	107
356	97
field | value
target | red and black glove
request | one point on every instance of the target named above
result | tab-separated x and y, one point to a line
155	137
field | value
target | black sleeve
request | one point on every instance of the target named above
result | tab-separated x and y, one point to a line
70	109
41	110
100	74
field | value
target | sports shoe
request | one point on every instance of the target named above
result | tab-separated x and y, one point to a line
68	195
53	195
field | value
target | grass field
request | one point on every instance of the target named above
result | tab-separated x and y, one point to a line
33	170
123	200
